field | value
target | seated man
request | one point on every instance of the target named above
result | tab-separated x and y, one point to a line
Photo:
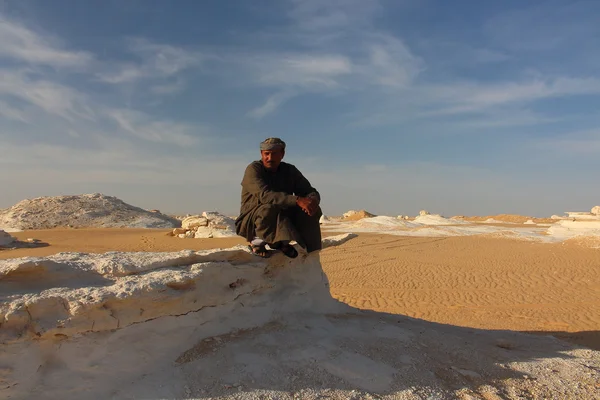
278	205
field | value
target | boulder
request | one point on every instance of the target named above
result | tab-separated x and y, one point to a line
218	225
423	212
194	221
596	210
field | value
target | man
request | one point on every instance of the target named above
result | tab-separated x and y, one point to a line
279	205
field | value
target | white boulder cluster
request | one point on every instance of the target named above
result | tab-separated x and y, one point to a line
206	225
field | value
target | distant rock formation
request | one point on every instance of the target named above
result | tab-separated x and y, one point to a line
423	212
81	211
596	210
354	215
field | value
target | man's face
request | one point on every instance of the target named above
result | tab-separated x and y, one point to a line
272	158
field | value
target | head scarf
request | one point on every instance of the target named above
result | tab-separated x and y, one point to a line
272	144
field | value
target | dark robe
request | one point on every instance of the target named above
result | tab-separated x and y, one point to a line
269	210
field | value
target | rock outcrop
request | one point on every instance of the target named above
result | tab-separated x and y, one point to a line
354	215
596	210
206	225
81	211
225	324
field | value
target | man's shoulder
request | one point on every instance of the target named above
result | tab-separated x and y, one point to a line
287	166
254	165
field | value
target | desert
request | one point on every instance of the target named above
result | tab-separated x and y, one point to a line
400	307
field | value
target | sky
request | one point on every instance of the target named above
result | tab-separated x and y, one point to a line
466	107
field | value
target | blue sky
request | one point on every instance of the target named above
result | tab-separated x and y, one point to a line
462	107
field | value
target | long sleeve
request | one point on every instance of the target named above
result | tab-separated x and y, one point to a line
303	187
255	184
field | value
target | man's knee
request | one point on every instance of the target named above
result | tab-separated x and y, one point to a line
269	210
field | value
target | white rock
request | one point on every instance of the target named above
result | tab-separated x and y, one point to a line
189	234
5	238
181	236
556	217
323	219
423	212
596	210
218	225
81	211
194	221
529	222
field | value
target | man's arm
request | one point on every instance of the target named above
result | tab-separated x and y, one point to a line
254	183
304	188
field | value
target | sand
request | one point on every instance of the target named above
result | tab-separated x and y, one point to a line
510	218
477	282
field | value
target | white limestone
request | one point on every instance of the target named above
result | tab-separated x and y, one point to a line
81	211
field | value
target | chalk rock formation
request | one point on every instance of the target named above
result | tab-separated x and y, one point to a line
81	211
354	215
71	293
207	225
581	215
566	229
596	210
323	219
423	212
225	324
5	239
436	219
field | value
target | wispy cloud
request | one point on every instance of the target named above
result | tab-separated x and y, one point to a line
144	127
273	102
54	98
155	61
468	97
316	15
13	113
20	43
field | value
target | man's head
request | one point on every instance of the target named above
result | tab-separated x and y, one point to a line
272	151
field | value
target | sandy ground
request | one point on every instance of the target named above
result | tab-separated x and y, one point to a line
487	283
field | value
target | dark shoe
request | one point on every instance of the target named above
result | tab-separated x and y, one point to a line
289	250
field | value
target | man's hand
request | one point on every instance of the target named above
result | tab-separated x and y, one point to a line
309	205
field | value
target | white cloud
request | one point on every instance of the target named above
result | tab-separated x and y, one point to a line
468	97
156	61
390	63
144	127
53	98
16	114
303	70
273	102
23	44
